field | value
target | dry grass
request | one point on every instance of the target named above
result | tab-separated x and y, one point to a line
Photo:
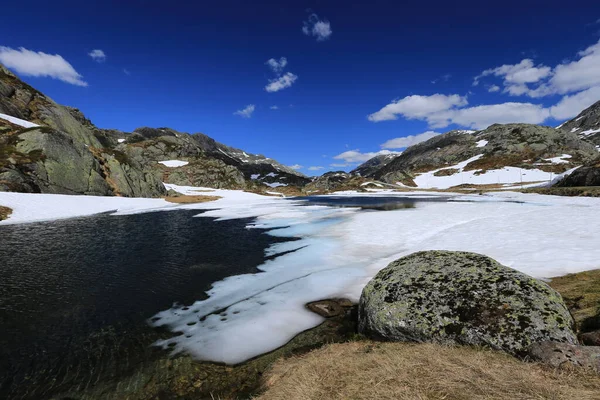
581	293
191	199
372	370
5	212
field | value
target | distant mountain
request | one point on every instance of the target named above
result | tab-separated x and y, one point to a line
49	148
374	164
498	155
586	124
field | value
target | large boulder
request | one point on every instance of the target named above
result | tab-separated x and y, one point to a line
462	298
588	175
563	354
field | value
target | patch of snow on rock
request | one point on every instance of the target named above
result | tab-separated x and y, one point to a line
482	143
589	132
18	121
173	163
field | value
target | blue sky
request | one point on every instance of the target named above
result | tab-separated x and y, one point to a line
357	75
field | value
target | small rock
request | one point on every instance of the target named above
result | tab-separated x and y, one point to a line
590	338
325	308
561	354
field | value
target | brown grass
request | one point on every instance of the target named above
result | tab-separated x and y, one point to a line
5	212
191	199
403	371
581	293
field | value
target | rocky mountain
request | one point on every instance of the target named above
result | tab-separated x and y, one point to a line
500	154
586	124
49	148
370	166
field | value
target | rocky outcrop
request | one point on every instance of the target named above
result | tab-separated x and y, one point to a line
464	298
586	124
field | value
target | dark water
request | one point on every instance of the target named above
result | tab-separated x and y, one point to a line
75	294
379	203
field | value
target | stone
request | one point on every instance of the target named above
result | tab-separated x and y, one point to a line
462	298
563	354
590	338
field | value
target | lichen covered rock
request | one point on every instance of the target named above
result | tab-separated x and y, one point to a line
462	298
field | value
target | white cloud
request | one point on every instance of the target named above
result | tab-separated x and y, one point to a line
321	29
40	64
523	72
578	75
277	66
126	71
480	117
539	81
341	165
418	107
296	166
315	168
356	157
97	55
493	88
274	108
280	83
439	111
407	141
246	112
571	106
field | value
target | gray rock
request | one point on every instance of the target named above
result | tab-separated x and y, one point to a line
465	298
585	121
583	176
561	354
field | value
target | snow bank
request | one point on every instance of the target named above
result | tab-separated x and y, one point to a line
482	143
173	163
18	121
589	132
428	180
28	207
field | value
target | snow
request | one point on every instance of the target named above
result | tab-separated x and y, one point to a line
275	184
254	176
173	163
579	118
371	183
18	121
589	132
560	159
482	143
120	140
29	207
428	180
575	130
272	174
339	250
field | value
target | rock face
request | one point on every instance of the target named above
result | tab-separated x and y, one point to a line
464	298
586	124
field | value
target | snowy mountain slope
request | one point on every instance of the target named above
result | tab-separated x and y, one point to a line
586	124
500	154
